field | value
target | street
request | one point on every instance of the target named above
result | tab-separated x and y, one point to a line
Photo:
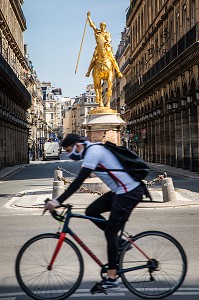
17	226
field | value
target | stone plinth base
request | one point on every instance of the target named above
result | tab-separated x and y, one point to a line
102	127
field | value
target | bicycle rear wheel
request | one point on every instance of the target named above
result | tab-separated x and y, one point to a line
32	268
168	265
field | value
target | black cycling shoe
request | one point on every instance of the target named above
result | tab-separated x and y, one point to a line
102	286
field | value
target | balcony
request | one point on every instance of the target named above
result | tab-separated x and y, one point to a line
124	66
189	39
9	77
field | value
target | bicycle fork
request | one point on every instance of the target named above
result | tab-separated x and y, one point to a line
59	244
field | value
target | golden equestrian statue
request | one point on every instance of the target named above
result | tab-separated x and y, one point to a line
103	63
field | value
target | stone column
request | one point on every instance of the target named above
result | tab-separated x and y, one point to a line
157	140
172	139
193	133
178	139
162	139
167	139
185	140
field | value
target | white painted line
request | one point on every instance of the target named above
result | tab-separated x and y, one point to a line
186	293
99	295
11	294
12	298
183	291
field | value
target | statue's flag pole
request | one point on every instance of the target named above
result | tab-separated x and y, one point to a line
81	46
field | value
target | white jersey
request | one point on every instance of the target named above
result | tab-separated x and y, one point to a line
99	156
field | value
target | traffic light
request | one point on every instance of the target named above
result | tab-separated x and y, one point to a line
128	129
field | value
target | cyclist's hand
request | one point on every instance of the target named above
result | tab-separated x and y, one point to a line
50	205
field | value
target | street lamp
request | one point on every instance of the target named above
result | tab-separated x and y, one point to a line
175	103
169	105
183	101
189	97
197	95
122	110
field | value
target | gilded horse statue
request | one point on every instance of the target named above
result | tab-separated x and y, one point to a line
103	63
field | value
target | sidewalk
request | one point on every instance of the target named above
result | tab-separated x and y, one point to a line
34	199
172	170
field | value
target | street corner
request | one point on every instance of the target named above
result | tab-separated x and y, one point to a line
29	199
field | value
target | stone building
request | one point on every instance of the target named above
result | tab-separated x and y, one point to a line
15	97
80	109
162	81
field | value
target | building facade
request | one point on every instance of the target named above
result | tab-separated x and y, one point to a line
77	110
53	108
162	81
15	97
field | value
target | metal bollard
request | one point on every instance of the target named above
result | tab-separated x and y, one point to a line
57	173
58	186
168	191
58	189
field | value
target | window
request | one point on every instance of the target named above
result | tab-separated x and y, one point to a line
51	116
138	28
193	12
171	40
184	18
177	26
51	105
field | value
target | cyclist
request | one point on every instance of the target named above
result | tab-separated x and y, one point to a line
125	193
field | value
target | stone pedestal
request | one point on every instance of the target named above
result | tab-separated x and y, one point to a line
104	126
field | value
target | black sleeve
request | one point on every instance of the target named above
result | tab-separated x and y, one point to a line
75	185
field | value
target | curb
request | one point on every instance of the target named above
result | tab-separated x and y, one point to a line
33	199
11	170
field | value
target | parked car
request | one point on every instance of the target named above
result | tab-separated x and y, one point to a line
51	150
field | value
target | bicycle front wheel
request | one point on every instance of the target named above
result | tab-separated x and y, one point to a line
166	261
32	270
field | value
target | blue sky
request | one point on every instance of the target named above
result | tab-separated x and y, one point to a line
54	33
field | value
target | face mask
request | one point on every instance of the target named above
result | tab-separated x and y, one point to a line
75	155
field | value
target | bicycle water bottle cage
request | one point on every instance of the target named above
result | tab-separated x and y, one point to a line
98	289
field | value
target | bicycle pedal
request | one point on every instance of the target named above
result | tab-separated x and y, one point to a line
98	289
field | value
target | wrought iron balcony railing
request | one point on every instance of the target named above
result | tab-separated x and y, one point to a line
8	72
183	44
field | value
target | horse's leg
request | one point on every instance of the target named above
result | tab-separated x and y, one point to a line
98	91
109	90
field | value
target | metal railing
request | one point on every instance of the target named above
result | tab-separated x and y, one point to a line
8	71
183	44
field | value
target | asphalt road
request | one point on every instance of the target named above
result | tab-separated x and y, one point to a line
18	226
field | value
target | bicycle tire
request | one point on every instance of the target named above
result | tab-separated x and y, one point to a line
169	260
40	283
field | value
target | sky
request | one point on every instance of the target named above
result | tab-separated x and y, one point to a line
54	33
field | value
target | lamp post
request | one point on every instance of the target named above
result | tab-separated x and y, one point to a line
183	101
189	97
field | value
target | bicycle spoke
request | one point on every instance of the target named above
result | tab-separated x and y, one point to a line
32	268
167	265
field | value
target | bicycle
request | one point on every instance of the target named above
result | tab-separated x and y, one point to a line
50	266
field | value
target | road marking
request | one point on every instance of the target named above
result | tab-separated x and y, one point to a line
12	298
184	291
99	295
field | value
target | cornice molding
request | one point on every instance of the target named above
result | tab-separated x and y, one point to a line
19	13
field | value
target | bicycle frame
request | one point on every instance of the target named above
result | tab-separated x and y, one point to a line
67	230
